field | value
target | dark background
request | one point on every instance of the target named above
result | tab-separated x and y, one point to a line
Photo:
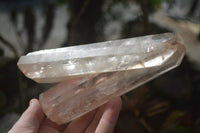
168	104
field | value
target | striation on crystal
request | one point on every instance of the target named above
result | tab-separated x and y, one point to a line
92	74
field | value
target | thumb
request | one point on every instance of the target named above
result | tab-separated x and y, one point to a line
30	120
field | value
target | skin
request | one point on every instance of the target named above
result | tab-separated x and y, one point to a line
101	120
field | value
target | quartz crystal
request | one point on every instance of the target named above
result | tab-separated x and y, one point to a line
93	74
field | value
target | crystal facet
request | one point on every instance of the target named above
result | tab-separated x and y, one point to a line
94	73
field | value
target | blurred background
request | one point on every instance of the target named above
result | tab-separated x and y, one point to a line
168	104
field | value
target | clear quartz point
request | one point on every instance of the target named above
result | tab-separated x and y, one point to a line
93	74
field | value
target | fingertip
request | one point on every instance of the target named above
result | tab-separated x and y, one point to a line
112	110
114	105
106	117
34	109
34	101
110	116
30	119
116	102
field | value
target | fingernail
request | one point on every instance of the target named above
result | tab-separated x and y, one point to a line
115	102
31	102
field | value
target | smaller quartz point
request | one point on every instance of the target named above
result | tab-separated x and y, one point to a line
93	74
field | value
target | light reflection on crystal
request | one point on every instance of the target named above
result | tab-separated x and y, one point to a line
150	48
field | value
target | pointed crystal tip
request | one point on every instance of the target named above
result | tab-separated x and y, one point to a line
56	65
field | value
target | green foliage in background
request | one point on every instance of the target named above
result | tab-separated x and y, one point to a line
154	4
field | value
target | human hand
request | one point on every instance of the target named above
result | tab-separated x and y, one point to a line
101	120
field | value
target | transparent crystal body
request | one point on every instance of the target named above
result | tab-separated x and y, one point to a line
93	74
